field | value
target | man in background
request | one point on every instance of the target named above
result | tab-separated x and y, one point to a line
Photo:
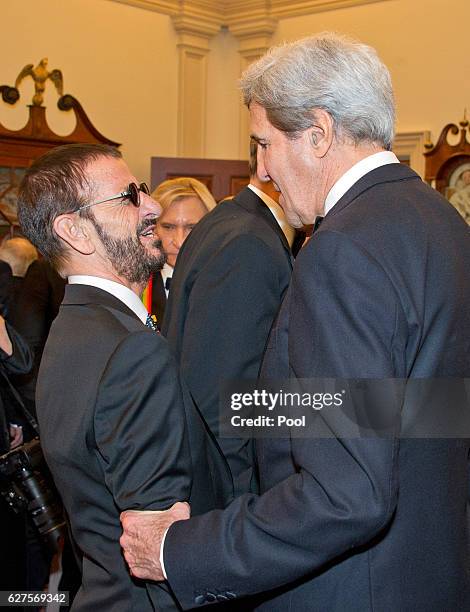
232	272
118	429
184	201
266	190
19	254
36	305
381	291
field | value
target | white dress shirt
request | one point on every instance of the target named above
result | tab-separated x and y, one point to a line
166	272
279	214
130	299
349	178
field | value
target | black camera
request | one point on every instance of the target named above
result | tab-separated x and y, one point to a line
26	488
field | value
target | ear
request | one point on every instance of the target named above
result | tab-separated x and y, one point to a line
74	231
321	134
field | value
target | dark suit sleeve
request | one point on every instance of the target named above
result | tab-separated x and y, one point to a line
140	426
343	317
30	313
20	361
232	304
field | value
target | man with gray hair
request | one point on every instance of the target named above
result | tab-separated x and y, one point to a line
381	291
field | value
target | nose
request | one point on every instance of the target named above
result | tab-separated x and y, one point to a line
149	207
179	237
261	171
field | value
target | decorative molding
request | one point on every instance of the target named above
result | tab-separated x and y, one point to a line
200	17
185	24
253	33
246	58
196	23
248	12
283	9
245	19
192	97
193	33
251	23
166	7
252	48
229	12
192	41
410	146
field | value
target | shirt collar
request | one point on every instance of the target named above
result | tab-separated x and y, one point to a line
277	212
349	178
130	299
167	272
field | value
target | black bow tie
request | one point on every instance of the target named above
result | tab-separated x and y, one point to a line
168	283
317	224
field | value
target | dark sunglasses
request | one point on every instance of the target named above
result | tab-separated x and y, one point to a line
132	193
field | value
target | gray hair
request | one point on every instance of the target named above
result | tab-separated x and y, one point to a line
328	71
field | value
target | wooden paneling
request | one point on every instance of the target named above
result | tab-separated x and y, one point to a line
224	177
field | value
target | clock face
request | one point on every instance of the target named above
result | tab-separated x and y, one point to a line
458	191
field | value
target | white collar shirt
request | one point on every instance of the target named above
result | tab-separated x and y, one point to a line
278	213
356	172
122	293
166	272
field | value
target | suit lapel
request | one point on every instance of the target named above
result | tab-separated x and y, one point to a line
248	200
389	173
77	294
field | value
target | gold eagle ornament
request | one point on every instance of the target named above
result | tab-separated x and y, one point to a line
40	74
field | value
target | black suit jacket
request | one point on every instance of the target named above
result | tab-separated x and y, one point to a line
19	362
6	281
38	303
158	298
230	276
35	307
119	432
381	290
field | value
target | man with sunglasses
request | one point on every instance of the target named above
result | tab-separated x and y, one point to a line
118	428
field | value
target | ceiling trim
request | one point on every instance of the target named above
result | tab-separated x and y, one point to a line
283	9
227	11
166	7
